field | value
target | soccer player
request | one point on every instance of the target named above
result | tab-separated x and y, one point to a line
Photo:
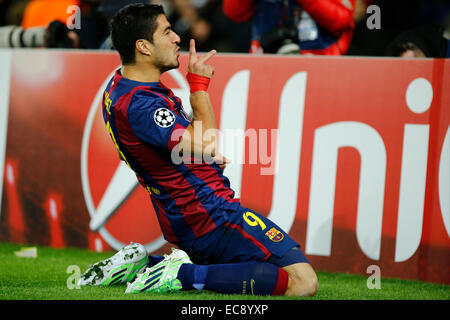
224	247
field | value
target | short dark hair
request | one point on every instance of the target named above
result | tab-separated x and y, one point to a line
133	22
428	38
396	49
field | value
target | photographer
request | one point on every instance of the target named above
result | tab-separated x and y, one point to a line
296	26
55	24
55	35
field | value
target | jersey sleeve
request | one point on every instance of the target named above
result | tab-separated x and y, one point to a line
153	121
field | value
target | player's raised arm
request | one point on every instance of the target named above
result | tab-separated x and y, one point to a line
200	135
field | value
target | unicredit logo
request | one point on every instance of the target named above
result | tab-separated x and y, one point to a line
376	143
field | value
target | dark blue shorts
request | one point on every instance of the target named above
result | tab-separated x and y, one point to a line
246	236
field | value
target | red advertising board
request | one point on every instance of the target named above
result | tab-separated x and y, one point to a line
351	156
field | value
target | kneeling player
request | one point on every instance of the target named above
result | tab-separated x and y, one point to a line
231	249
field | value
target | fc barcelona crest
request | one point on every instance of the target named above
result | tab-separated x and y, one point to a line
275	235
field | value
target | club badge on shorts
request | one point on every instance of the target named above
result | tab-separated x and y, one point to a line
274	235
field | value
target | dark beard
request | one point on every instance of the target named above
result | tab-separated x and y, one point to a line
164	68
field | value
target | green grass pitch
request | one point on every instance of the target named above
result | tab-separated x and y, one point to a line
46	278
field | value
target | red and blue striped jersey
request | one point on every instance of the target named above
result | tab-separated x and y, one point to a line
146	121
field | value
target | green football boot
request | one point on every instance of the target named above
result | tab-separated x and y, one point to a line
120	268
162	277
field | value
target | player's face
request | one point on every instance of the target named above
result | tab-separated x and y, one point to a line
165	42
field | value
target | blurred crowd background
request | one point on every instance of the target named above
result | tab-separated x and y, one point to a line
407	28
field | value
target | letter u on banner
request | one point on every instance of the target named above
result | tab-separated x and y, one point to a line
232	121
290	127
289	145
327	140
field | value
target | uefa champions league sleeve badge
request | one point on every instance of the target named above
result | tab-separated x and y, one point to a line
164	117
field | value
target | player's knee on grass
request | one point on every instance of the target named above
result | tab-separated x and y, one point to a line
302	280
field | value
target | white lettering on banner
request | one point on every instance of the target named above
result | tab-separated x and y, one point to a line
444	181
290	128
232	119
412	190
419	96
329	138
5	76
327	141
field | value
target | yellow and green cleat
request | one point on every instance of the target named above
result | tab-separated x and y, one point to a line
162	277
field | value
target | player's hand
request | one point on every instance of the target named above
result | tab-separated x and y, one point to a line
221	161
198	65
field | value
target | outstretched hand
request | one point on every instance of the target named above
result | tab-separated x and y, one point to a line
198	65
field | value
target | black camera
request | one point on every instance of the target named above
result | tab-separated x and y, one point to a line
282	40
